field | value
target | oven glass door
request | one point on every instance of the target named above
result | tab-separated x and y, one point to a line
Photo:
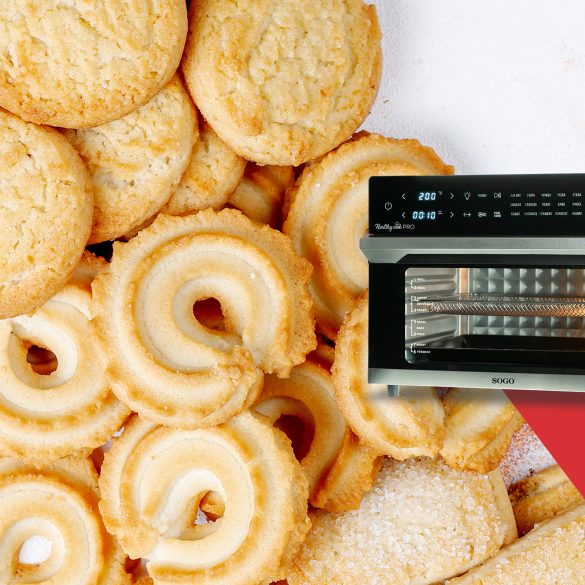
487	313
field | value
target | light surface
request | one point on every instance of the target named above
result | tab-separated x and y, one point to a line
35	550
494	87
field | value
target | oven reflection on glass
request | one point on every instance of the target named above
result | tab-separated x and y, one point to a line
495	315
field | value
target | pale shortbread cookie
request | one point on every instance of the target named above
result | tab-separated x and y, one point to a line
283	82
213	173
136	162
88	267
479	426
543	496
260	194
405	426
421	523
328	214
45	213
76	63
552	554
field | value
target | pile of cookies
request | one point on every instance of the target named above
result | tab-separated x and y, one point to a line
196	408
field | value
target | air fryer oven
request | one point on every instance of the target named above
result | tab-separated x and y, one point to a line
495	298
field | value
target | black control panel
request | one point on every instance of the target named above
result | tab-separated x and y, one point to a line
478	205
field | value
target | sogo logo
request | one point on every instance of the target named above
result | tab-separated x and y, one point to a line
501	381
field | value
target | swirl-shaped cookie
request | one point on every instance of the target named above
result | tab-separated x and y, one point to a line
217	506
55	402
56	505
304	407
407	426
165	363
327	215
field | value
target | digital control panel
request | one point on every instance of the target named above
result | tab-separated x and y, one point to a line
478	205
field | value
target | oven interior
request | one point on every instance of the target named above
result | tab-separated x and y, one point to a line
499	315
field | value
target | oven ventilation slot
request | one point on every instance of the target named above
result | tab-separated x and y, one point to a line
504	305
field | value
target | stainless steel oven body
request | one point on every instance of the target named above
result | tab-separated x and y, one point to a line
467	290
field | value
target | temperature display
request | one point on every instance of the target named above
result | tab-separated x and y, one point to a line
430	215
427	196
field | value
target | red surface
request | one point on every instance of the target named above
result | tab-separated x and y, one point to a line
558	418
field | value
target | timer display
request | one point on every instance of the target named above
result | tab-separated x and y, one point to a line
429	215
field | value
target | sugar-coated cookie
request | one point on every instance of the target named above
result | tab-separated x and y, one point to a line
136	162
79	63
421	523
46	209
552	554
283	82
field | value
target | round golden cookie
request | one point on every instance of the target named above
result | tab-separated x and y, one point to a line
46	209
49	410
77	64
303	406
260	195
224	505
213	173
283	82
175	368
136	162
327	214
410	425
57	504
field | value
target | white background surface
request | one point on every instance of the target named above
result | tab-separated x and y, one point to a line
494	86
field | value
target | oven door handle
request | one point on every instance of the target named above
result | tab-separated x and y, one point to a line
393	250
